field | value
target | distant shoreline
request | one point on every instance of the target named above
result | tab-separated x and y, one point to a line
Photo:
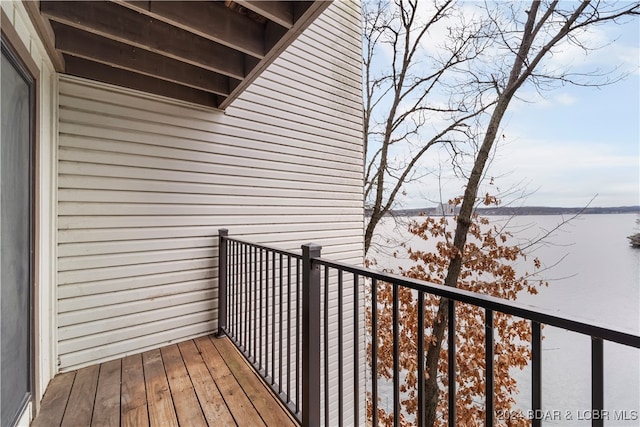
522	210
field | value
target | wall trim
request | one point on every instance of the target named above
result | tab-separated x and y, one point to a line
13	40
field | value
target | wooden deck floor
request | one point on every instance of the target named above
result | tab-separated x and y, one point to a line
201	382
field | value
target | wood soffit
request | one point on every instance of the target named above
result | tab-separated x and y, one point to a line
205	52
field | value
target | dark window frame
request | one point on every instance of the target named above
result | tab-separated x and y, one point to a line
14	50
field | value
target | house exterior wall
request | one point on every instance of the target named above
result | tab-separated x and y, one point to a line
144	183
44	301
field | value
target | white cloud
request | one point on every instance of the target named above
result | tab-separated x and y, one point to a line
607	50
570	171
559	156
557	172
565	99
532	98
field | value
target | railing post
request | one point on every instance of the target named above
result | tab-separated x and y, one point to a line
452	368
222	281
310	336
597	382
489	371
536	372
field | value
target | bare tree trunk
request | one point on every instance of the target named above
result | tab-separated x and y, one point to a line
466	211
431	389
371	226
463	223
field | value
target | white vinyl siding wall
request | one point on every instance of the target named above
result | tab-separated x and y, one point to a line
144	183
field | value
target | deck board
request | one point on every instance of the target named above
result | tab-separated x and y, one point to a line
133	398
238	403
161	409
201	382
184	397
106	411
213	406
81	400
55	403
253	387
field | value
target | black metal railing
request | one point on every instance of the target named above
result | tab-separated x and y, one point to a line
260	310
290	315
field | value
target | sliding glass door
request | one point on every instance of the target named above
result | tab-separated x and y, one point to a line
15	237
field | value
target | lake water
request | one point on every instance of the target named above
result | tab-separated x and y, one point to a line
594	275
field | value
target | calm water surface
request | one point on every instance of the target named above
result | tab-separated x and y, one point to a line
594	275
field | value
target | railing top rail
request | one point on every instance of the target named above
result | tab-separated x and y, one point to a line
543	316
267	248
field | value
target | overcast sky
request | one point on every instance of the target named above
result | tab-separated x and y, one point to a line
575	142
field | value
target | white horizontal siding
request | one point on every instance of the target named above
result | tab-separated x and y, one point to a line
271	129
144	183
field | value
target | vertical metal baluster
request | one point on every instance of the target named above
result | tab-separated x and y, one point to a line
452	362
597	382
248	314
240	293
249	302
280	309
256	310
489	386
245	283
536	372
237	291
260	284
266	313
234	309
255	304
273	317
356	349
396	364
298	336
326	345
288	328
374	350
240	284
254	296
230	289
340	353
421	400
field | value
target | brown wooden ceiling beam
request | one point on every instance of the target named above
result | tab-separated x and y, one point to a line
305	16
122	24
209	19
74	42
100	72
44	30
280	12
